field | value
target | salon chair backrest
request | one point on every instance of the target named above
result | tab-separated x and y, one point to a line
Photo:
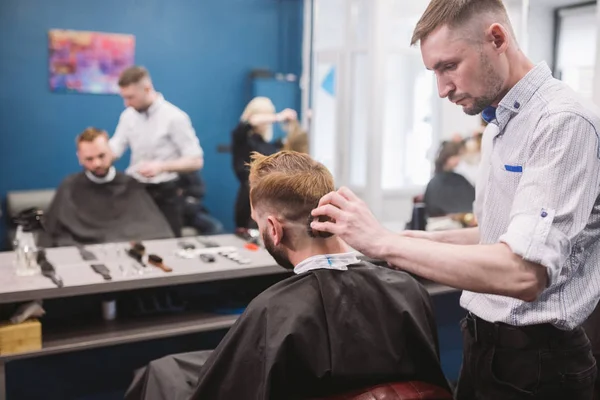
396	391
18	201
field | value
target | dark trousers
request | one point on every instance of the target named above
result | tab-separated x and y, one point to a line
535	362
242	206
592	329
168	199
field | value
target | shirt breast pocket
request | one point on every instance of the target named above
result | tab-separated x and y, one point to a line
507	176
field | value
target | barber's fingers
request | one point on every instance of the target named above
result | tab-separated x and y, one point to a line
348	194
327	226
328	210
333	198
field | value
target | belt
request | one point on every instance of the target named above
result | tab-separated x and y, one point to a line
517	337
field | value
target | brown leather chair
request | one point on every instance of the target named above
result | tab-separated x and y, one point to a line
396	391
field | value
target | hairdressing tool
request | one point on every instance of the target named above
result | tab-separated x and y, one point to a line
136	252
187	245
207	258
318	234
251	246
139	247
102	270
157	261
207	243
48	269
86	254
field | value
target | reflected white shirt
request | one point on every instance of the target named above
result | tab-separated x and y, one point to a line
161	133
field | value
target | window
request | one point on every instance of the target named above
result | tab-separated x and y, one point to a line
374	105
576	48
359	121
329	24
325	114
408	131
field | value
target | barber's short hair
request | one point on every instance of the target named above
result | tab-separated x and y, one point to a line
454	13
90	134
289	182
133	75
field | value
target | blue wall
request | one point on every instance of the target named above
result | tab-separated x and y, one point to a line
199	53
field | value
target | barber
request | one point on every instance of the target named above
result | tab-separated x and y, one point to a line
162	140
531	270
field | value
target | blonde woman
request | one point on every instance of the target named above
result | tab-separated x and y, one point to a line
253	133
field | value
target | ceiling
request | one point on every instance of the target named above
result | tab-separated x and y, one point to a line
556	3
548	3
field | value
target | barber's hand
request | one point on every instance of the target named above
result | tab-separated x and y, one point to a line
287	115
352	221
150	169
416	234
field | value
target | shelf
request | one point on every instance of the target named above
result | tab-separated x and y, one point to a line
103	334
57	340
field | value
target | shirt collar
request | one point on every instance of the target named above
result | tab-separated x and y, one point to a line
110	176
155	104
519	95
338	262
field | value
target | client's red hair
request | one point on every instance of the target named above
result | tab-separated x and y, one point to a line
289	182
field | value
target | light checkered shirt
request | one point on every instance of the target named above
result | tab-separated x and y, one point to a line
538	192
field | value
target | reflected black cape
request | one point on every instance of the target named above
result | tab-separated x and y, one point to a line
86	212
448	193
314	334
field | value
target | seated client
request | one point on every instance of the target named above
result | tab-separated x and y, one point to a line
99	204
337	325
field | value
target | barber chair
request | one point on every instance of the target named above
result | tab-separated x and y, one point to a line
396	391
17	201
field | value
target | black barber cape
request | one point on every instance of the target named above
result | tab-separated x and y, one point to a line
318	333
448	193
86	212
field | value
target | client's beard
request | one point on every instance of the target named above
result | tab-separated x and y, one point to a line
100	173
277	253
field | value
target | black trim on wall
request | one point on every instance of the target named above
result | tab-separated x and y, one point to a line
556	34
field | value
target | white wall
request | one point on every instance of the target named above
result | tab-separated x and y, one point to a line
541	33
454	120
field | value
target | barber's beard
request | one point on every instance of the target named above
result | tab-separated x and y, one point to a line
493	85
277	252
143	109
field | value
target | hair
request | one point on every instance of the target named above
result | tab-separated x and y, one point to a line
297	138
133	75
89	135
447	150
258	105
290	182
455	13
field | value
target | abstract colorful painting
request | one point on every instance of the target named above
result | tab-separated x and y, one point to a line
88	62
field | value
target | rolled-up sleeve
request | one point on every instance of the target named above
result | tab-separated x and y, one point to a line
557	191
119	142
184	136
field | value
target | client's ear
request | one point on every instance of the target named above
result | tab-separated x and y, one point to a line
275	229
